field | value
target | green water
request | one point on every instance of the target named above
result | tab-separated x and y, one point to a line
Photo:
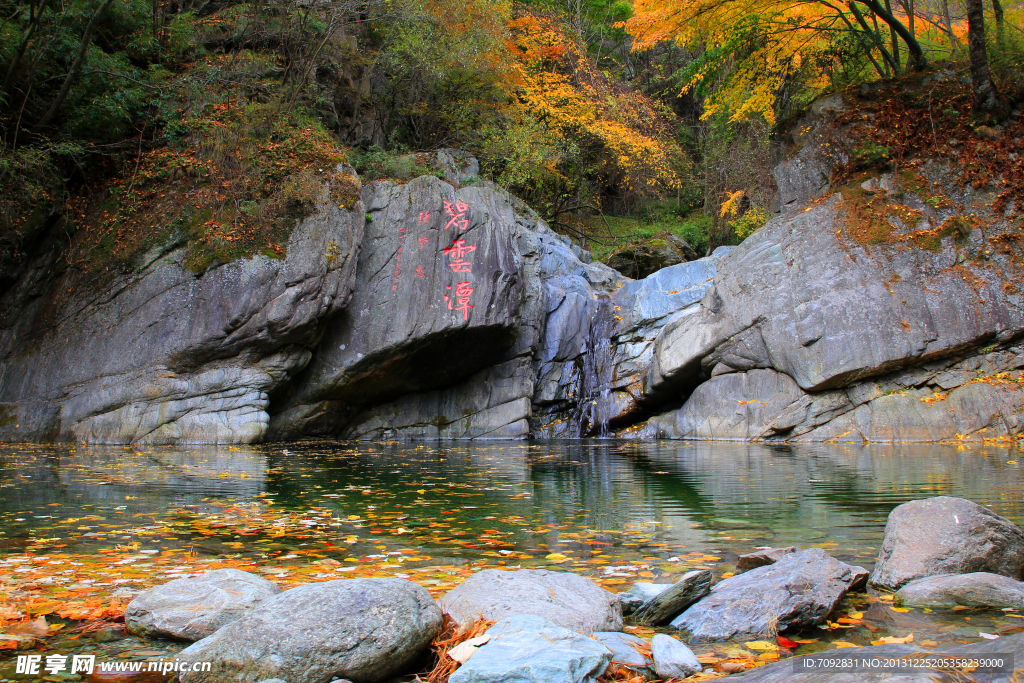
80	523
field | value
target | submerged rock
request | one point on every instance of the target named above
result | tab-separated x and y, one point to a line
946	535
365	630
666	605
976	589
672	659
798	590
530	649
566	599
196	607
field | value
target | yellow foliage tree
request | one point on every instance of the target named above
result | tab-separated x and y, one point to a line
752	47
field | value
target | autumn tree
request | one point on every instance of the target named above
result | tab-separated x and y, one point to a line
753	47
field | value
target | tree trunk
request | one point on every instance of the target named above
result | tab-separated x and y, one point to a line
916	57
26	38
76	66
986	98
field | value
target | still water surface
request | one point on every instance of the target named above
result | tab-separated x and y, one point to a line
110	520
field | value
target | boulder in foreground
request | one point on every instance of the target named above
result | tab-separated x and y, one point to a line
530	649
364	630
194	608
799	590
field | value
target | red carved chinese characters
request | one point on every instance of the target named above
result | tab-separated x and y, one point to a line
457	210
462	293
457	252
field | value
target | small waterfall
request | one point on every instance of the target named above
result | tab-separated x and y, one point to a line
595	408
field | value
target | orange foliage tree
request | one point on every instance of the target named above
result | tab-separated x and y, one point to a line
573	136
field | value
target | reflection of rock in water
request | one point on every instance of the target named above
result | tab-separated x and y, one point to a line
216	471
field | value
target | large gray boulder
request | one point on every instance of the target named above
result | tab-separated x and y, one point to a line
946	535
864	303
364	630
196	607
799	590
439	295
530	649
977	589
161	354
567	599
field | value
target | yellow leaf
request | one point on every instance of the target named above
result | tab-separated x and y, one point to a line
556	557
842	644
761	646
899	609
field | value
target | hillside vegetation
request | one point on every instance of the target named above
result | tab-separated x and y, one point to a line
128	125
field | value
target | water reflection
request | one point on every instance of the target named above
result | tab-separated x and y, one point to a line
722	497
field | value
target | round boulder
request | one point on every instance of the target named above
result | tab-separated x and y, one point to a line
945	535
193	608
363	630
569	600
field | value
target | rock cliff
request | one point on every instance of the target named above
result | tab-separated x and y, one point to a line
875	306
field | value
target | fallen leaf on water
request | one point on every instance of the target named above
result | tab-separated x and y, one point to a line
960	608
900	609
893	640
556	558
768	656
786	642
761	646
37	627
842	644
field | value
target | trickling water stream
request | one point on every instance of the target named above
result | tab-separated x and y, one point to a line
598	365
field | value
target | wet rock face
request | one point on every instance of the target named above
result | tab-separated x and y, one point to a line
946	535
163	355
